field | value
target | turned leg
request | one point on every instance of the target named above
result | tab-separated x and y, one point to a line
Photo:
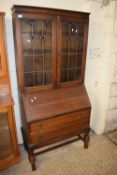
86	139
32	159
29	150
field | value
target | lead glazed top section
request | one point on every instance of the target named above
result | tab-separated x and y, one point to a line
50	47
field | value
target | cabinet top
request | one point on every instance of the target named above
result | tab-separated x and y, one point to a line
33	9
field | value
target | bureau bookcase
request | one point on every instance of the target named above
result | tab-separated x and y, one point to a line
50	46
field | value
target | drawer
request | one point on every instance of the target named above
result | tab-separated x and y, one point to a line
85	123
56	135
53	136
59	121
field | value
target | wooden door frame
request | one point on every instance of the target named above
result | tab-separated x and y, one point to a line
59	42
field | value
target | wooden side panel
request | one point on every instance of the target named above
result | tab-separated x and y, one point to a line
9	145
3	65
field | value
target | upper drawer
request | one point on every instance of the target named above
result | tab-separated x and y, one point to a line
59	121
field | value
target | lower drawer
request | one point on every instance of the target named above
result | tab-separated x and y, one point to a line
64	132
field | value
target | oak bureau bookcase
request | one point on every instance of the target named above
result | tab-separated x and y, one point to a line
50	46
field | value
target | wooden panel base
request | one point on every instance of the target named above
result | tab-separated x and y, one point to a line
30	148
56	115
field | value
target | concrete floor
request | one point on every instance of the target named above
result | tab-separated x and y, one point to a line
99	159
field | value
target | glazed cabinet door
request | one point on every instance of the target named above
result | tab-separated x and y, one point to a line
72	35
8	142
2	47
36	38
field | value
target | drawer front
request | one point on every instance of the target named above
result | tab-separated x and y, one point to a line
59	121
54	136
64	132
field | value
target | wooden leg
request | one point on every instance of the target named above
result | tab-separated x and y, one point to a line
86	139
32	159
29	150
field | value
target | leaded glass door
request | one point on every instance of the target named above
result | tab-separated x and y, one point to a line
38	50
71	50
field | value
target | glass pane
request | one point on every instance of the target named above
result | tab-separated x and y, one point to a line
78	74
36	45
63	75
64	61
72	45
48	77
71	74
29	79
48	62
38	63
38	78
72	61
28	63
80	45
37	52
72	48
5	140
78	60
65	46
